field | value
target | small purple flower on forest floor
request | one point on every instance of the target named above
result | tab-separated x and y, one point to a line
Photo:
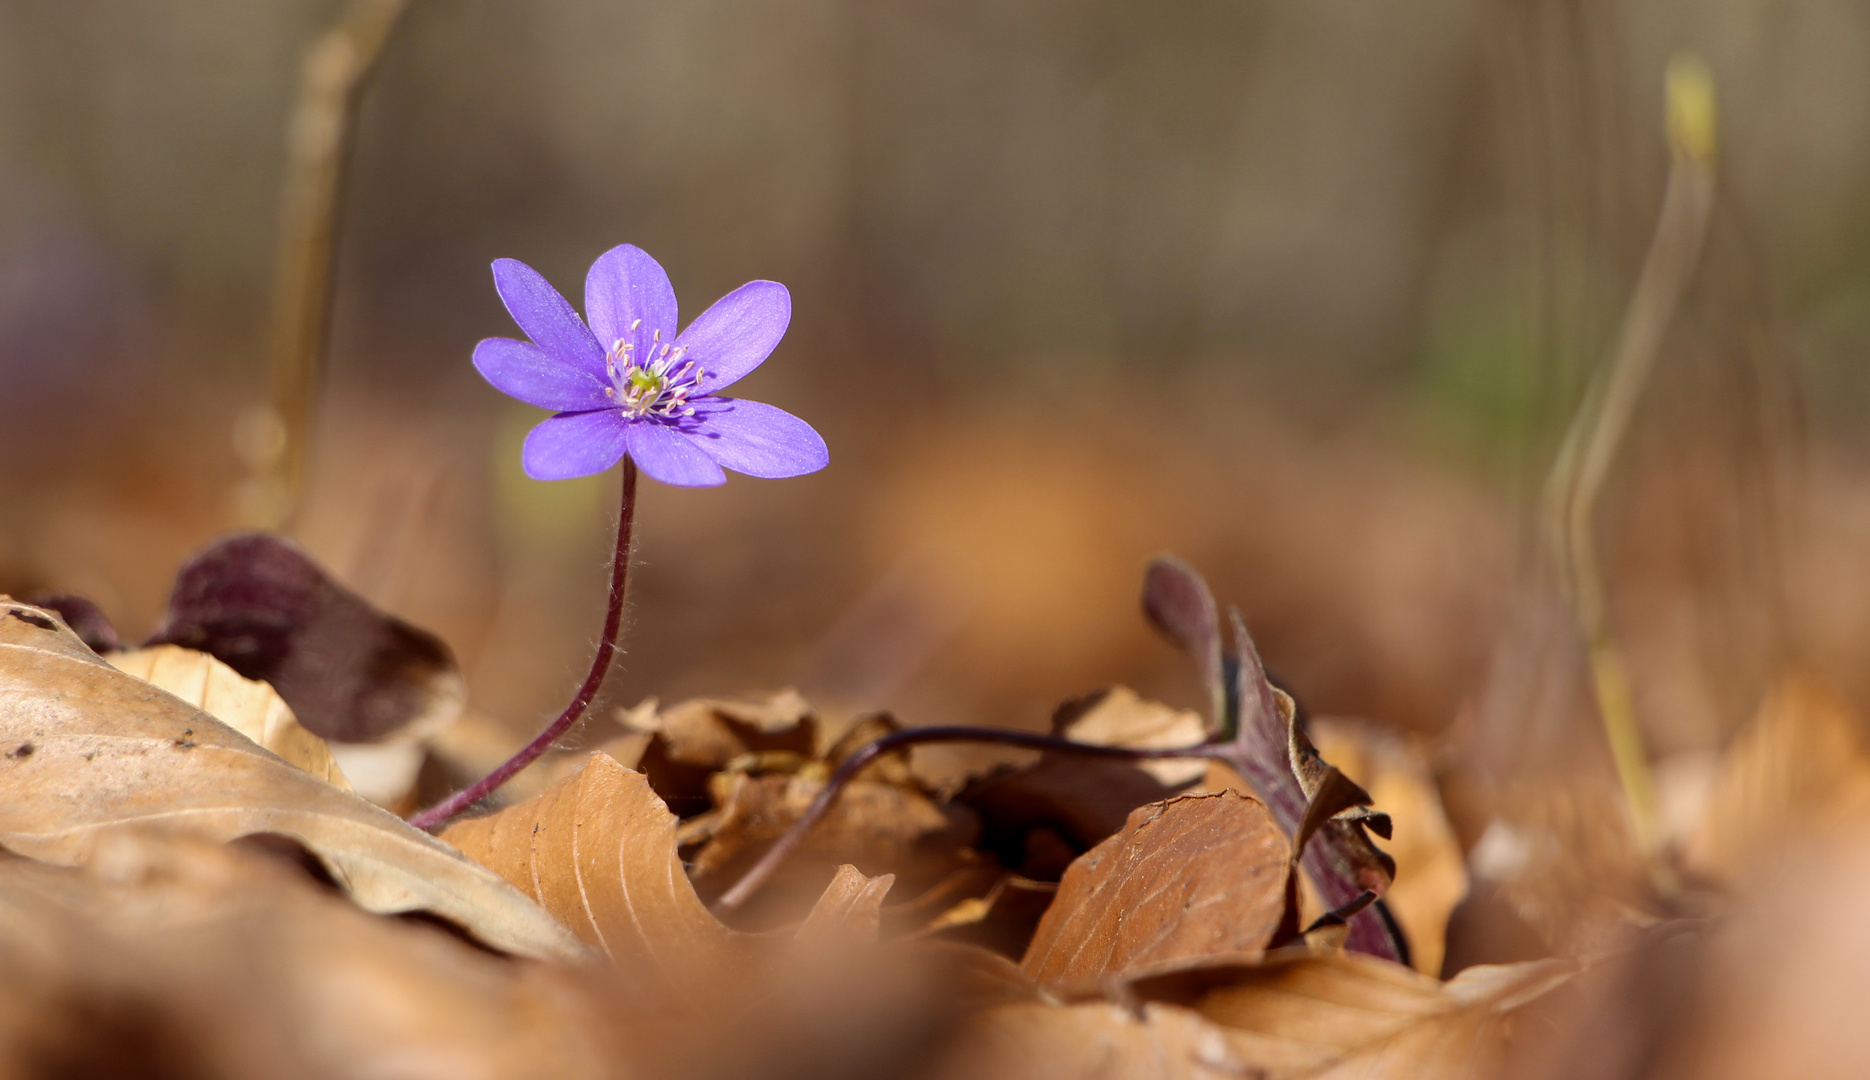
629	384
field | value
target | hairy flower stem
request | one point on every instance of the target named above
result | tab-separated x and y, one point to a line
782	849
600	663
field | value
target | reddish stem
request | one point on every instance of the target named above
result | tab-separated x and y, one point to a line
600	663
783	848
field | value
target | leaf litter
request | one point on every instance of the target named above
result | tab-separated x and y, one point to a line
94	749
1168	944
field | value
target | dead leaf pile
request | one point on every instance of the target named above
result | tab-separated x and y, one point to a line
168	955
91	749
1069	916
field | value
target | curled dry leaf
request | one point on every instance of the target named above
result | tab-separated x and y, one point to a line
1431	870
249	707
90	748
875	824
168	956
693	740
1038	817
1271	751
885	819
1118	716
1192	878
851	908
597	849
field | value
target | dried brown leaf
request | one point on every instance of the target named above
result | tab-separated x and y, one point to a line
693	740
597	849
1431	869
169	955
1039	817
89	748
1194	877
1272	752
875	824
249	707
1120	717
851	909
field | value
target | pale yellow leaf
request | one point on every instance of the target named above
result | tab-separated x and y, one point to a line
250	707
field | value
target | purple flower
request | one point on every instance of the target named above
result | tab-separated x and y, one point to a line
629	384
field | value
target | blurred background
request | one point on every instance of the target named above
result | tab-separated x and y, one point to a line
1305	291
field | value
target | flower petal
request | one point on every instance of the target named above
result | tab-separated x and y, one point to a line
755	438
523	370
575	444
545	316
740	330
625	285
667	455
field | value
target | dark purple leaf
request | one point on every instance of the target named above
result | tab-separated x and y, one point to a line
1178	603
350	672
86	619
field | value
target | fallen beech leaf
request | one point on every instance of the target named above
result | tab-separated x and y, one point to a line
251	708
1561	858
850	910
1270	750
1195	877
875	824
695	739
1119	717
92	748
597	849
1026	810
1431	869
169	956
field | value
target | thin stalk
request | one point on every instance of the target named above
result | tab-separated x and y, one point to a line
600	664
321	135
1603	420
783	848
